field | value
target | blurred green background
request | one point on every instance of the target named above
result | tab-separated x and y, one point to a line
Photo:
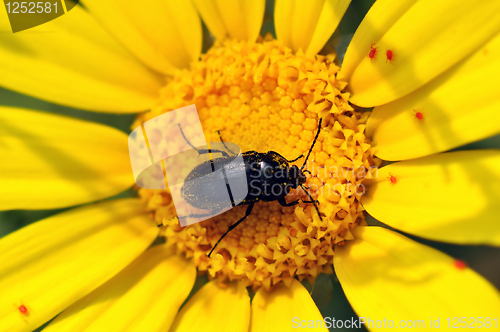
483	259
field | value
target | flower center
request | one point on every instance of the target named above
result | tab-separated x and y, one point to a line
264	98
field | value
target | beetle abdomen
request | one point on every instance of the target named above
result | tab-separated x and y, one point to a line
205	189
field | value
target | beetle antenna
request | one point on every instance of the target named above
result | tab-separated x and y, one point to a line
313	202
312	146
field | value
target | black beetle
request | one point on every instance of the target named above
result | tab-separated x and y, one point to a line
269	178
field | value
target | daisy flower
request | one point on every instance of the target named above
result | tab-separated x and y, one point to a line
428	69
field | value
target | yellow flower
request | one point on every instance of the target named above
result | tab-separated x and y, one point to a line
429	68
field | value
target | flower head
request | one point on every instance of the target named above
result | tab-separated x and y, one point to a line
97	264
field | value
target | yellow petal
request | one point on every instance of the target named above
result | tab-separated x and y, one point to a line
331	14
452	197
213	308
51	161
387	276
239	19
165	35
73	61
459	107
52	263
429	38
379	19
307	25
296	29
285	309
145	296
283	13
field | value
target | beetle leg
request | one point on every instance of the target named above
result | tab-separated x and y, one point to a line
224	153
312	200
233	226
188	142
291	161
283	202
220	136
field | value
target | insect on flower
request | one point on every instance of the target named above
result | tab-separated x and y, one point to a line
459	264
392	178
373	51
389	55
419	115
22	309
270	177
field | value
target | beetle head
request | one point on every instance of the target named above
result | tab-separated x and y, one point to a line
296	177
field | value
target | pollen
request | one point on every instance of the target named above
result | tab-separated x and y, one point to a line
263	97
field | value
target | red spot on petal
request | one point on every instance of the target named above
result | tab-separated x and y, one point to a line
392	178
22	309
461	265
